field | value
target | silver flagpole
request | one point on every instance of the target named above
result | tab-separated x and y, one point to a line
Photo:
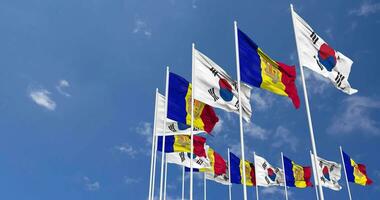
283	168
229	175
183	182
192	121
152	160
307	108
345	173
166	177
257	187
240	109
204	186
314	175
163	134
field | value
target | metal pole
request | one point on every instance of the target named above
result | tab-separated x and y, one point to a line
229	175
283	168
314	148
183	182
192	121
152	160
204	186
314	176
240	109
345	173
166	177
257	187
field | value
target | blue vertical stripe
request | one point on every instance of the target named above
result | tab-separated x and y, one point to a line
289	172
178	88
349	168
235	169
169	143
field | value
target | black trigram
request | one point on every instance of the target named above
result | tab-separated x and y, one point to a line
199	162
214	71
237	105
264	165
314	37
172	128
212	93
182	156
267	180
339	79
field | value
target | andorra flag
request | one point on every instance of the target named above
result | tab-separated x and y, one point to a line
355	173
179	105
296	175
236	171
181	143
259	70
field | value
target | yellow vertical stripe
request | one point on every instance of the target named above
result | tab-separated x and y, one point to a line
198	108
299	177
248	180
360	178
182	143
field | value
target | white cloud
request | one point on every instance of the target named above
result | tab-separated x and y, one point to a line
255	131
283	137
274	191
142	27
315	83
91	185
145	129
366	8
41	97
355	114
261	100
62	84
329	33
127	149
218	127
130	180
194	4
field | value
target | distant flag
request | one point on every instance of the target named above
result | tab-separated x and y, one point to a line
218	171
297	175
356	173
183	159
329	173
315	54
217	89
266	174
237	171
179	105
172	127
181	143
259	70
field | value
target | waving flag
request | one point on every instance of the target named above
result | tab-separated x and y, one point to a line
266	174
329	173
172	127
179	105
237	171
181	143
259	70
183	158
296	175
356	173
315	54
217	89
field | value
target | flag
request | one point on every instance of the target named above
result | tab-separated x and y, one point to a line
296	175
179	105
218	171
266	174
355	173
237	171
172	127
259	70
217	89
315	54
181	143
329	173
183	158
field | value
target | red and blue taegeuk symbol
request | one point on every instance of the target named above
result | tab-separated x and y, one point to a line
271	174
326	173
326	56
225	90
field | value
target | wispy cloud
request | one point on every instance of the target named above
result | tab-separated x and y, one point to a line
316	84
91	185
127	149
274	191
142	28
366	8
194	4
145	129
256	131
355	114
261	100
130	180
283	137
41	97
62	84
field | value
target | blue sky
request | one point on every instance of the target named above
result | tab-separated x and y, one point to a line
78	78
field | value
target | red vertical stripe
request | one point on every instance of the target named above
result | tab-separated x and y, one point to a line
199	146
288	79
209	118
220	166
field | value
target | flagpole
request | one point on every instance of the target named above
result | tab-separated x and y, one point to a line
257	187
314	176
183	182
283	168
163	134
154	166
345	172
307	108
166	177
192	121
204	186
151	185
229	175
240	109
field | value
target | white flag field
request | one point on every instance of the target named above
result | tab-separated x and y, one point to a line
183	159
329	173
172	127
217	89
315	54
266	174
